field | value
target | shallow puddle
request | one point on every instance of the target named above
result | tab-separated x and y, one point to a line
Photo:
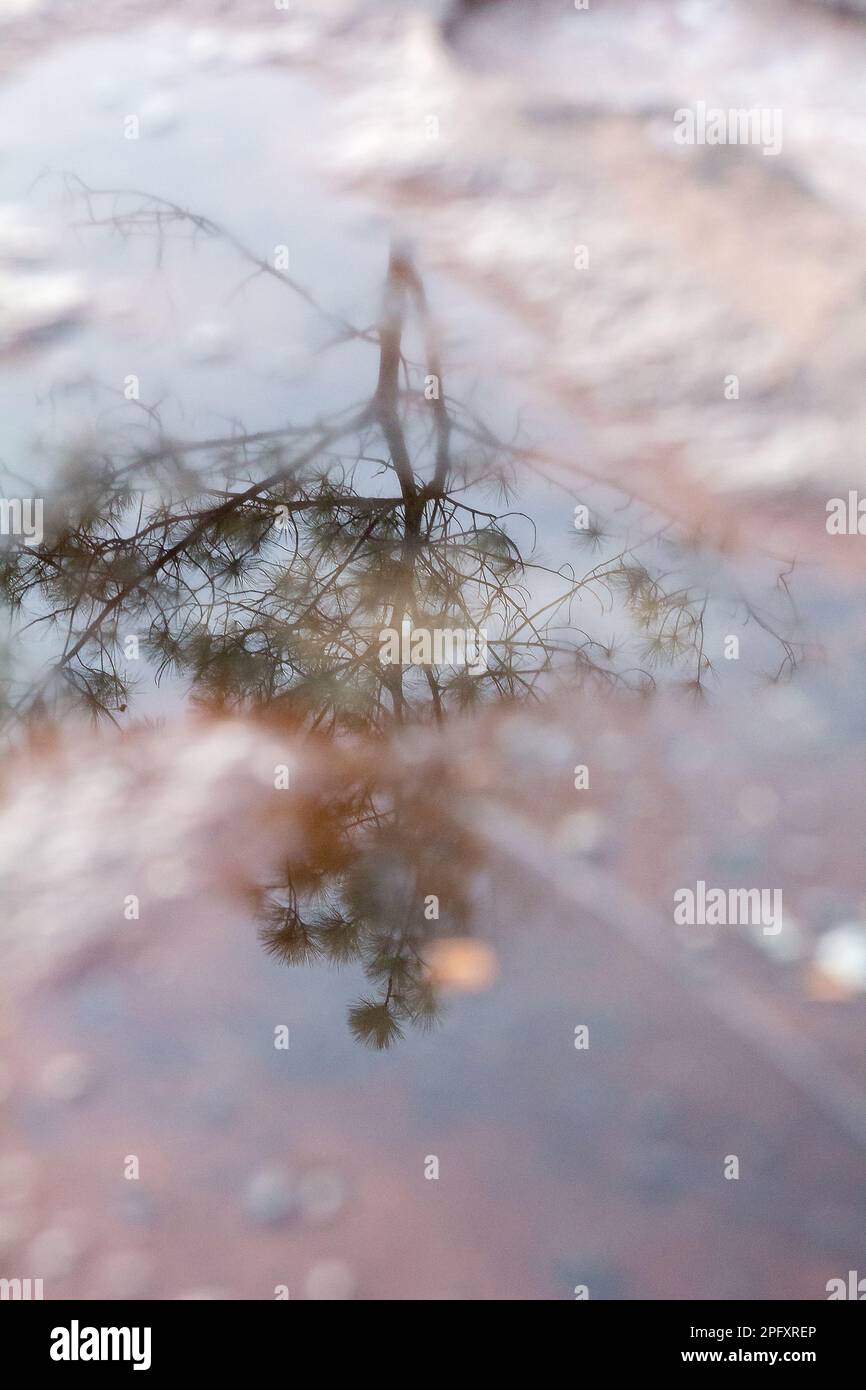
364	720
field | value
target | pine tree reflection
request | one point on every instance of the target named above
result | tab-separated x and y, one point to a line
259	568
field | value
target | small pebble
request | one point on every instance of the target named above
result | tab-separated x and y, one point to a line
210	342
65	1077
269	1196
581	832
840	955
330	1279
160	113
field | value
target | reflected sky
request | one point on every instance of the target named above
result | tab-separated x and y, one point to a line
305	565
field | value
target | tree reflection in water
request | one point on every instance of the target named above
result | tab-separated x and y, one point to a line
258	569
